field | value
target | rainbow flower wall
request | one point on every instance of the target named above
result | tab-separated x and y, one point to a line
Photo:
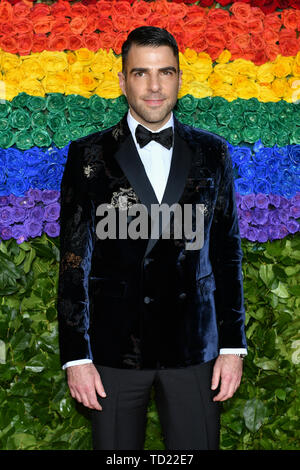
241	79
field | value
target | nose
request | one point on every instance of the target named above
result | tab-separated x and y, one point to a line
154	82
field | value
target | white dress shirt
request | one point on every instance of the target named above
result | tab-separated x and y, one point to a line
157	162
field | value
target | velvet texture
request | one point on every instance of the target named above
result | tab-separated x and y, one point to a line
149	303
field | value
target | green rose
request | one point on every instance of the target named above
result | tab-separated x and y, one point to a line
186	119
23	140
223	116
76	101
234	137
39	119
7	139
19	119
55	121
268	137
97	105
250	134
5	108
75	131
236	122
187	104
36	103
62	137
20	101
79	115
251	118
295	136
205	103
253	105
40	137
55	102
3	124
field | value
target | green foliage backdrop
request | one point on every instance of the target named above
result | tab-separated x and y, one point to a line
37	411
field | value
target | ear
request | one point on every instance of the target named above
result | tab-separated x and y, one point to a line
122	82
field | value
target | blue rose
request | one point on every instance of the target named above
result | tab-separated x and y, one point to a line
243	186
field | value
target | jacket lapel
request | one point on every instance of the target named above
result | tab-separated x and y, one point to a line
129	160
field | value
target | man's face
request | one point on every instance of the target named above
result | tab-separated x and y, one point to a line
151	85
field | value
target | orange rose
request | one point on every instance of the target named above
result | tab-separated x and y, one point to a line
273	21
121	22
272	51
24	43
156	20
241	11
270	36
140	10
104	8
41	9
23	25
289	19
9	44
6	12
75	42
92	23
61	9
198	42
257	42
105	41
214	51
177	11
236	27
260	57
91	41
8	29
288	44
216	39
78	9
196	25
60	26
58	42
120	8
175	25
255	26
21	10
117	44
42	24
217	16
40	43
195	12
161	7
78	24
92	10
104	24
242	41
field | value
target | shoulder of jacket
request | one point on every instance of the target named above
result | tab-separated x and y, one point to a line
194	135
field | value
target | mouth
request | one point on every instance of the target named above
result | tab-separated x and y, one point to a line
154	103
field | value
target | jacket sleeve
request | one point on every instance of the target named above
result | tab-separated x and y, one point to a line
226	255
76	245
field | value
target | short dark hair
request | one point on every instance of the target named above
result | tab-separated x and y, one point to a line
149	36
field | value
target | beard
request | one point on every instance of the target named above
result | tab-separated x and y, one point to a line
152	115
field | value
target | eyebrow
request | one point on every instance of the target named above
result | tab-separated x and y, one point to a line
163	69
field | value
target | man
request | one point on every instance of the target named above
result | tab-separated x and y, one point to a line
140	312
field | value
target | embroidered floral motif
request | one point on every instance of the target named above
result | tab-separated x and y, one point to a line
123	199
89	170
70	260
118	131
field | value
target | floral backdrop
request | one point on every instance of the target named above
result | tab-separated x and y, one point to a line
241	79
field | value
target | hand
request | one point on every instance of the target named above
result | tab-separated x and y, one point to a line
228	368
84	381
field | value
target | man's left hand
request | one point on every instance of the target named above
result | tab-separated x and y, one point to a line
228	368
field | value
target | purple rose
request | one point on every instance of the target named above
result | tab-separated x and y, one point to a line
248	201
6	215
274	199
37	214
260	216
295	212
19	214
52	211
293	226
262	235
252	233
19	233
261	201
296	200
4	200
36	194
33	228
49	196
283	231
25	201
52	229
5	233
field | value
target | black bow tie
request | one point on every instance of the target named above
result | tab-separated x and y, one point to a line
164	137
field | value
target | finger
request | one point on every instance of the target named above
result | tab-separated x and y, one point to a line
215	378
225	384
99	387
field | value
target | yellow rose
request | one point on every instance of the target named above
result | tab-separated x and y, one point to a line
32	87
190	55
108	89
215	80
52	62
202	67
226	71
227	92
31	67
101	63
282	66
198	90
265	73
296	65
245	88
245	67
9	61
266	94
8	91
224	57
55	82
280	87
84	56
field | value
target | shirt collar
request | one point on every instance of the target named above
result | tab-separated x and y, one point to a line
133	123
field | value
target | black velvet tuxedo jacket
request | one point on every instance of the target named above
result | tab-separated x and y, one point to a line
148	303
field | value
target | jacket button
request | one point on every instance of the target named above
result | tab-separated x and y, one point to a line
182	296
147	300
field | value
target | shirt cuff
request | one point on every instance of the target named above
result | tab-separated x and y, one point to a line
76	363
233	351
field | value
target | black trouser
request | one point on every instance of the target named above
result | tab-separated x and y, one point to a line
188	416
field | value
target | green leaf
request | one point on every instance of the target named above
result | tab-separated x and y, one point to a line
2	352
29	258
254	414
281	291
266	274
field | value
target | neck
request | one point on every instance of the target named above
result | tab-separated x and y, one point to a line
154	126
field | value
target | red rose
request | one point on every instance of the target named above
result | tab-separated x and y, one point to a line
41	9
58	42
104	24
60	26
40	43
75	42
23	25
78	24
24	43
156	20
217	16
61	9
117	44
121	22
21	10
6	12
91	41
42	24
260	57
9	44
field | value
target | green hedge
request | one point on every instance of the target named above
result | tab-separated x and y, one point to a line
37	411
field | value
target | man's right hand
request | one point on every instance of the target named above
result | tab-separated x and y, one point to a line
84	381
